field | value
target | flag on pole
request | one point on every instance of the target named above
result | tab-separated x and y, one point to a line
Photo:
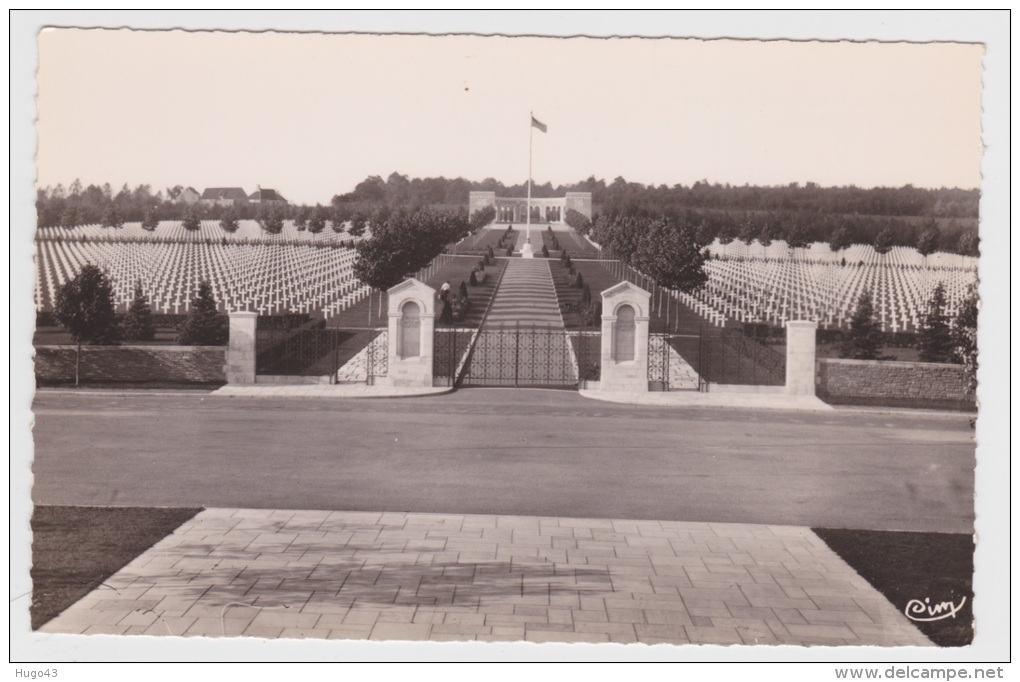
538	124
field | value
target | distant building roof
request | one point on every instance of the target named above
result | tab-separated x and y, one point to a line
224	193
263	194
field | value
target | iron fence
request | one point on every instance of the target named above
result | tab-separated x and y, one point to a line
729	356
450	353
313	349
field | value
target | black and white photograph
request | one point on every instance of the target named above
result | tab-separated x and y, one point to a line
504	341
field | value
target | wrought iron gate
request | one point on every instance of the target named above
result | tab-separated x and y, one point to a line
669	362
519	356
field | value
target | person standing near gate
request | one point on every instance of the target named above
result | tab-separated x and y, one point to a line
444	291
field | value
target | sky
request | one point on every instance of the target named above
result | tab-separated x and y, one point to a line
311	115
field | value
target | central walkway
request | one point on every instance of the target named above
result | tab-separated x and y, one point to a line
397	576
526	295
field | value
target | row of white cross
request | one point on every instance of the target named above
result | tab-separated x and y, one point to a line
264	277
776	289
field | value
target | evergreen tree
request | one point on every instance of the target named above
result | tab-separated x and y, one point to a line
358	222
840	239
928	240
137	323
204	325
111	217
230	221
934	339
301	219
151	220
317	221
884	241
270	218
864	337
84	306
192	221
964	334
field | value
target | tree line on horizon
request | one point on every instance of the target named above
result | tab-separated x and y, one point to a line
928	219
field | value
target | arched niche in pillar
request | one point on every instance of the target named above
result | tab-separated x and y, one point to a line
409	330
412	312
625	310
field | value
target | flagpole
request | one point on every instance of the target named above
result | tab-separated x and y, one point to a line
531	137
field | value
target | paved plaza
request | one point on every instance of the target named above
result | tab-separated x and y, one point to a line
396	576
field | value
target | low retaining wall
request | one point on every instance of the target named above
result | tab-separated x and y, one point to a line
132	364
893	384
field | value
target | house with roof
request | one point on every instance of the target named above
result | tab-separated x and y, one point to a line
224	196
266	196
183	195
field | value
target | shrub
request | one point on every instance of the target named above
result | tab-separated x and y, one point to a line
509	251
463	289
577	220
473	281
545	251
579	282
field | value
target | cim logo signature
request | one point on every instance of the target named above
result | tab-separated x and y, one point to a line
926	612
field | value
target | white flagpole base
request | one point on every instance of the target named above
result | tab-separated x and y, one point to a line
526	251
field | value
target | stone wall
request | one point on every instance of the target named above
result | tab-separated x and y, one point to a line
131	364
479	200
893	384
580	202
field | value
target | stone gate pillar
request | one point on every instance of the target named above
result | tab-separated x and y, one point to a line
240	367
625	309
412	313
800	357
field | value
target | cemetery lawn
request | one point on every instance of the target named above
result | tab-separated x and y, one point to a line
907	565
74	549
454	269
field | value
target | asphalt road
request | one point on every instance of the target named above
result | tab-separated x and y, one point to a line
505	451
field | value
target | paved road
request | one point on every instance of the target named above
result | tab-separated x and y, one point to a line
493	451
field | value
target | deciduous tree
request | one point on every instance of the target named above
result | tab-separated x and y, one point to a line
85	307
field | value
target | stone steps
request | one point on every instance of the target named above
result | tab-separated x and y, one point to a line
526	296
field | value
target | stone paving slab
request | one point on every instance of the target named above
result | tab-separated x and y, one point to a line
447	577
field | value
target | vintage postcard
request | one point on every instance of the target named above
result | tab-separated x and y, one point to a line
494	346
